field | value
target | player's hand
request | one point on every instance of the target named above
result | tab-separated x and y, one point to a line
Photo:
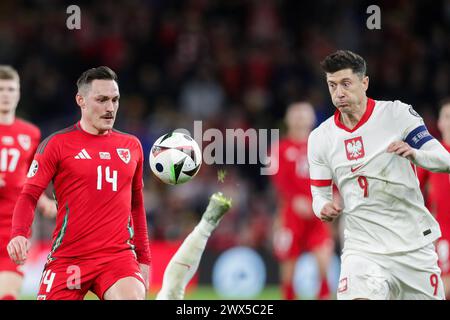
402	149
145	271
2	182
18	249
47	207
330	211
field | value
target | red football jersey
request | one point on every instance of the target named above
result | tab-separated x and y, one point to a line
292	178
437	198
94	178
18	143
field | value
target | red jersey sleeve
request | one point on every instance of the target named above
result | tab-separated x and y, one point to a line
138	214
45	163
23	215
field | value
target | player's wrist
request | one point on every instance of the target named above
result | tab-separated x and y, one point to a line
19	233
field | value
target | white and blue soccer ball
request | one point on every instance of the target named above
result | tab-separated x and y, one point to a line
175	158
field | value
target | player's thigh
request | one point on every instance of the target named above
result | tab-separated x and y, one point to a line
64	280
128	288
10	283
120	278
11	275
446	281
419	275
362	278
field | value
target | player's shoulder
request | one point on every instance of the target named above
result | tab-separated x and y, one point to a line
56	138
319	137
28	127
126	136
395	107
324	128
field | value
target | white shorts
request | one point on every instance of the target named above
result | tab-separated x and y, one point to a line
412	275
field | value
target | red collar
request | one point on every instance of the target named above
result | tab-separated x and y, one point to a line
446	146
369	110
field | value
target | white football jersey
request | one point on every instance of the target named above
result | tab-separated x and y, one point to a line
384	209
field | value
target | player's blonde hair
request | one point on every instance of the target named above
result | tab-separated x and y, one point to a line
8	73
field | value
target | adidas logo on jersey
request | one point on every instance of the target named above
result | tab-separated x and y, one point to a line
83	155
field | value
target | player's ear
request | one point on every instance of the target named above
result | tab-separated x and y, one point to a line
80	100
365	82
440	124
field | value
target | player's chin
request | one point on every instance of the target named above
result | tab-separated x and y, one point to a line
344	108
5	107
107	124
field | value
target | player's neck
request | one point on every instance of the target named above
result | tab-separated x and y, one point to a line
85	126
7	118
351	119
446	139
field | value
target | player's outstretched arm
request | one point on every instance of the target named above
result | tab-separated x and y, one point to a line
431	156
186	260
22	220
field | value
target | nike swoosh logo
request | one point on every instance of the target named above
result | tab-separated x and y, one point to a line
356	168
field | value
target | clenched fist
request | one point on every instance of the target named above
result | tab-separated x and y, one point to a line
330	211
18	249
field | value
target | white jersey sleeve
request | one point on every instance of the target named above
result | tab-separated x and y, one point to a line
411	125
319	171
432	155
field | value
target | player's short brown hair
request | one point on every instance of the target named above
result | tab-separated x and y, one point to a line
344	59
99	73
8	73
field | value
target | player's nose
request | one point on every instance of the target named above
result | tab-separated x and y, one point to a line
339	92
110	106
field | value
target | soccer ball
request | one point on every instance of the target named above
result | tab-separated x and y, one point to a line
175	158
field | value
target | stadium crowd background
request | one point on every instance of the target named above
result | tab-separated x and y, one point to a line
229	63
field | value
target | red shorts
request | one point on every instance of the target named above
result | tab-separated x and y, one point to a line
298	235
443	251
6	264
71	279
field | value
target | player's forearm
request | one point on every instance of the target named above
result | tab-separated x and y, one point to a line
24	211
433	156
321	196
140	228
